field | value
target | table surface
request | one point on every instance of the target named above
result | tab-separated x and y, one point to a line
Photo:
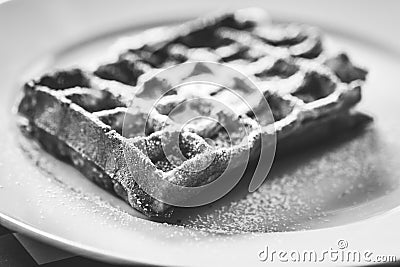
20	251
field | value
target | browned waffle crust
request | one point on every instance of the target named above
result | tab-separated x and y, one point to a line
77	115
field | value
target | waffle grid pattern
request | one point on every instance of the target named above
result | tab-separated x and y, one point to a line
77	114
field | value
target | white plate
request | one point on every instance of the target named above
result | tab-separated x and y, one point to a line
345	190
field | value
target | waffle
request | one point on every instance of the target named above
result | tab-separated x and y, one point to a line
77	114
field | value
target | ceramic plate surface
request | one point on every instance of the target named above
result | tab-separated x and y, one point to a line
346	189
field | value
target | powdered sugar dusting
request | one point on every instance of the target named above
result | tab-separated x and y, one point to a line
301	192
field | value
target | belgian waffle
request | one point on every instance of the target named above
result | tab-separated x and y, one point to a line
77	114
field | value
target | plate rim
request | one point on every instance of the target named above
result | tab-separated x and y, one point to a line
71	245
